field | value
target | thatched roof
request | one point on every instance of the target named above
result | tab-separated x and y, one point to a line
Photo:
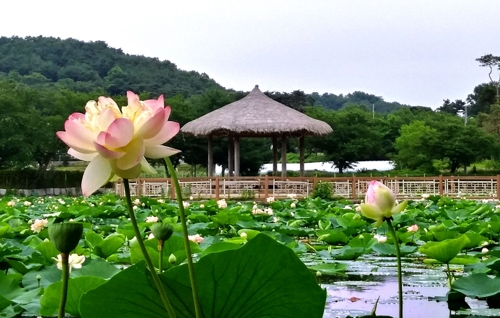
256	115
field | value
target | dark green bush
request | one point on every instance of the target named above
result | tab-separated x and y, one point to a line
323	190
34	179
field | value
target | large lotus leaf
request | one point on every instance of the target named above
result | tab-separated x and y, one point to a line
332	236
110	245
261	279
445	235
48	250
9	285
459	260
329	268
364	240
49	275
477	285
446	250
475	239
174	245
4	303
389	249
4	228
76	288
460	214
220	247
351	220
347	253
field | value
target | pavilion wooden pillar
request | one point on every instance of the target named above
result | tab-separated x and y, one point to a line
301	155
236	156
210	165
283	156
230	156
275	156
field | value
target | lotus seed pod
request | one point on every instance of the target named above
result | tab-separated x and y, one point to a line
65	236
162	231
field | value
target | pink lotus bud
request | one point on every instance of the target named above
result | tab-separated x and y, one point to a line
380	203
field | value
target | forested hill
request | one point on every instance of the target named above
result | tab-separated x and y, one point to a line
91	67
94	66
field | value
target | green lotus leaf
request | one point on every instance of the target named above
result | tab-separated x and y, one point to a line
332	237
446	250
389	249
261	279
329	268
477	285
76	288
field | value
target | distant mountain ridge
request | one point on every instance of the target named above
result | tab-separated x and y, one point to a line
96	67
93	66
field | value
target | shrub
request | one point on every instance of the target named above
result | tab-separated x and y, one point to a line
323	190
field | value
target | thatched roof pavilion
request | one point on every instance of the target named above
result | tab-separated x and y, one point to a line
256	115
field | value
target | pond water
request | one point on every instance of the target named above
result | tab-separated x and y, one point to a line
355	292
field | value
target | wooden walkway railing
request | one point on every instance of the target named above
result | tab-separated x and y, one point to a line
260	188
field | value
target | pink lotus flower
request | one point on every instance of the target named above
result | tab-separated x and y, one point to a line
196	238
38	225
413	228
380	203
116	141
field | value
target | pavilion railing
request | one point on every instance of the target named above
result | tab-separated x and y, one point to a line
262	187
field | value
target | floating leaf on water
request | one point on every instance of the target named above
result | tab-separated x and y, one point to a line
329	268
446	250
477	285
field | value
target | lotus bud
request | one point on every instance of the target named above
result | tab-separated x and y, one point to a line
318	274
172	259
65	236
380	203
162	231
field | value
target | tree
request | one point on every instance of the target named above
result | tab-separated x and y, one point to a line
491	62
480	100
453	108
491	122
464	145
354	136
416	147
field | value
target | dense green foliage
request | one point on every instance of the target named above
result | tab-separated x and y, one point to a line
44	80
93	66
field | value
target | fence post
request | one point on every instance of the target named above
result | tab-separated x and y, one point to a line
498	186
217	188
314	182
266	186
172	189
139	187
441	185
353	186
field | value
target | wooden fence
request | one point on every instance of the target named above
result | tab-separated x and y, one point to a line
260	188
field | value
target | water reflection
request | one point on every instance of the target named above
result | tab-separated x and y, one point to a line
355	292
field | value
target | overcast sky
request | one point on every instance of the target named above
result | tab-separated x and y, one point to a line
412	52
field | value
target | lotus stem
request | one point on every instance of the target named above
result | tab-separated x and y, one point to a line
64	288
178	192
449	275
156	279
160	251
398	257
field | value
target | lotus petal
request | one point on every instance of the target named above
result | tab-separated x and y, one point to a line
96	175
